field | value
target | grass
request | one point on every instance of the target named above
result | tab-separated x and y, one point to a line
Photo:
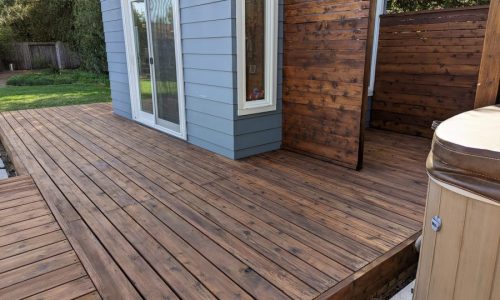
163	87
46	89
48	77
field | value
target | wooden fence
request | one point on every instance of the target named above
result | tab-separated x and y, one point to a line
427	67
28	55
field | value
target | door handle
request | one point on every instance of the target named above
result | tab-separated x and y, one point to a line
150	60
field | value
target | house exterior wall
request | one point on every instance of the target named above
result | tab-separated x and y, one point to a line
210	79
117	61
207	40
258	133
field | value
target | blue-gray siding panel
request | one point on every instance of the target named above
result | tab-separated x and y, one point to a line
217	78
221	110
209	73
216	62
212	147
210	92
209	57
256	150
221	45
262	132
117	62
210	29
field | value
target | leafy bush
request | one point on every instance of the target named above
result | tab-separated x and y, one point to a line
89	35
77	23
5	51
417	5
37	20
48	77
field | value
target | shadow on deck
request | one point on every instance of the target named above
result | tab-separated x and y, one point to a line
149	215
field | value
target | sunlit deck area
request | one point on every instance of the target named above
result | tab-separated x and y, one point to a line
151	216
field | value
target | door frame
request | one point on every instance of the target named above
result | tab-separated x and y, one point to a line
133	72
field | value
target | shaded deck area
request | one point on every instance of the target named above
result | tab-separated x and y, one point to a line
152	216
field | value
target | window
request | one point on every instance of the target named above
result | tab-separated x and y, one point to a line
257	52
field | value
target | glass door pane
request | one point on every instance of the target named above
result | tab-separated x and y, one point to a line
142	50
165	69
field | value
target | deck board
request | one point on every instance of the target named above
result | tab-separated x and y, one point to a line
149	215
36	259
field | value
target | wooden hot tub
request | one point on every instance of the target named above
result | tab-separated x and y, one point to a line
459	256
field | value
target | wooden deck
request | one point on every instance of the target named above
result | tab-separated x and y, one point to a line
152	216
36	259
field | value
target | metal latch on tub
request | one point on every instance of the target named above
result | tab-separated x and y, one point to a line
436	223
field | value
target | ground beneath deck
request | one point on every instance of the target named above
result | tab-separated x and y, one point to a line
149	215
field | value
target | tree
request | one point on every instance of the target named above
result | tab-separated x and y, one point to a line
37	20
89	35
77	23
416	5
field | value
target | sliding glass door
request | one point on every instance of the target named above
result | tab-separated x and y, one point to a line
142	55
164	57
155	42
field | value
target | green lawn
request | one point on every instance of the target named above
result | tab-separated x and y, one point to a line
164	87
66	88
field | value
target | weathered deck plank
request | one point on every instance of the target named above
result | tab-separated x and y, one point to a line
36	260
153	216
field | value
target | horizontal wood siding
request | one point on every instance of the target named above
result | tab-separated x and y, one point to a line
427	68
207	40
209	57
260	133
324	73
117	61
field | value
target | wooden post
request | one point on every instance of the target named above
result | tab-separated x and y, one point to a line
60	65
489	72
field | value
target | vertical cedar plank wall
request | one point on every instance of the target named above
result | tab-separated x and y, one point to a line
324	75
427	67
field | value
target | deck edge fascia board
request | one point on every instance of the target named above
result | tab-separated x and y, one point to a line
355	286
19	166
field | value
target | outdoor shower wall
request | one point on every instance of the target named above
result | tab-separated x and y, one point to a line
427	67
326	50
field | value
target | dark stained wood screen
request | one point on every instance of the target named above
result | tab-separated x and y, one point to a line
325	50
427	68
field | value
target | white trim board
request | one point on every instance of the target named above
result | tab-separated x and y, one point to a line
381	8
271	60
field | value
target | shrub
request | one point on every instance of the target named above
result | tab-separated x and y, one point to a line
417	5
37	20
89	34
77	23
48	77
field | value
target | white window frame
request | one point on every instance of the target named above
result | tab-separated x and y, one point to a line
271	59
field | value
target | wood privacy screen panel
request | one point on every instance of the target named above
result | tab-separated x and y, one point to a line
325	46
427	68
